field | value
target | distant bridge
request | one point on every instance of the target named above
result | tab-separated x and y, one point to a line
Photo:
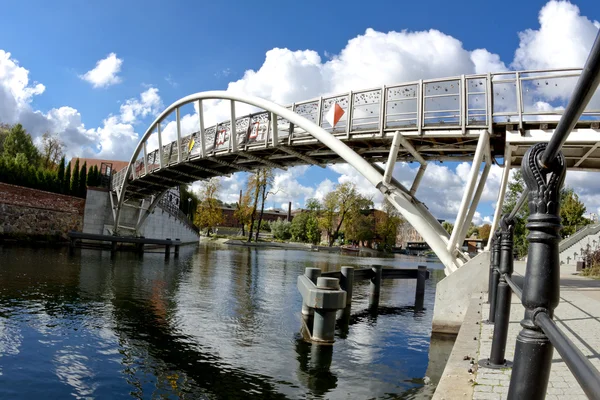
473	118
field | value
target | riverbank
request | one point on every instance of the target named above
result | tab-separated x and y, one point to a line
290	245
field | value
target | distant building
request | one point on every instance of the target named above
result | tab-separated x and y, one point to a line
231	221
112	165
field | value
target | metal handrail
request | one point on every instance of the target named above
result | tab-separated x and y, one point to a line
520	203
514	287
584	371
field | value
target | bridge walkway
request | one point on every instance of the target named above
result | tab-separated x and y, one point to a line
578	315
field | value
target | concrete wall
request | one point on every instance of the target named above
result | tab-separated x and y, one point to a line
453	293
570	248
31	214
160	224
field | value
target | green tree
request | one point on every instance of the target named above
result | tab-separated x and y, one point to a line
75	179
61	173
188	203
298	228
387	226
472	231
19	141
209	213
313	231
516	186
328	215
4	129
83	180
448	227
571	212
281	229
359	223
67	181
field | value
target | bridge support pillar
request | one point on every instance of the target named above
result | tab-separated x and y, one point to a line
313	274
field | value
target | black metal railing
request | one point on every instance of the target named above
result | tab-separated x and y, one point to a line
174	210
544	170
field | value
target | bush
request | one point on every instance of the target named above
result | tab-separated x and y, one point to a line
281	229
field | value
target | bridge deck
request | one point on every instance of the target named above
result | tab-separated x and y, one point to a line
441	118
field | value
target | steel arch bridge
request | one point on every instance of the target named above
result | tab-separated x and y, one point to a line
475	118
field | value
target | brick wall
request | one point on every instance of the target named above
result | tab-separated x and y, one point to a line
30	214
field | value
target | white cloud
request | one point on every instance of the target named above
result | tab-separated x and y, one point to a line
105	73
148	104
374	58
563	40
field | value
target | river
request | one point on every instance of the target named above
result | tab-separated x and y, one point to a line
218	322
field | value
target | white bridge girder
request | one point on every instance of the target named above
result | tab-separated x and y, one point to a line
454	127
412	210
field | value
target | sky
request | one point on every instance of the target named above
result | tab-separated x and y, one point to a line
98	72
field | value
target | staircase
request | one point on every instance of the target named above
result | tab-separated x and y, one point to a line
587	238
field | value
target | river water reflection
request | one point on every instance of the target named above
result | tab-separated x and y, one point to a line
219	322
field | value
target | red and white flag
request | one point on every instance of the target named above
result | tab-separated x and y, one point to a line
334	114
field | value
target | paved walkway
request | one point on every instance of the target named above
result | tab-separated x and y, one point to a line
578	315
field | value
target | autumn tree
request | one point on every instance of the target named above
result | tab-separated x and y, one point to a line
52	149
209	213
484	232
243	211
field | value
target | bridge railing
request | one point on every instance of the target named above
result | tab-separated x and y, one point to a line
460	104
544	170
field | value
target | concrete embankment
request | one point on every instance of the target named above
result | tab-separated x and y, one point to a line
160	224
33	215
239	242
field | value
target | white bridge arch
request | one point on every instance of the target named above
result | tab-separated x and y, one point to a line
467	118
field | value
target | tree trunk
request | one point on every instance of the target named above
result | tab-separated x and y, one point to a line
262	209
253	213
337	230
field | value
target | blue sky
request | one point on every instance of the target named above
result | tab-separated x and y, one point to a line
178	48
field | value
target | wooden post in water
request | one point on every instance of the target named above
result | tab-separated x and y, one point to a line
375	286
346	283
420	291
177	244
168	249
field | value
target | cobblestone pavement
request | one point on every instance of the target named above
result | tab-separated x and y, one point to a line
578	315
